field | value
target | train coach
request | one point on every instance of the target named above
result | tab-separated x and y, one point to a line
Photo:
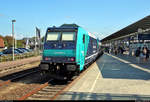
67	50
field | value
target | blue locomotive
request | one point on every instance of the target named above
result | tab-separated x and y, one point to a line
68	49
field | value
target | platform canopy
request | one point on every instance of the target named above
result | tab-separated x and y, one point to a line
141	24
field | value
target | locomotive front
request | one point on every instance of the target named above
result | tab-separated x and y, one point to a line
59	51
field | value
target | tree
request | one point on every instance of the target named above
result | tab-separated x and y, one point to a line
1	37
42	39
8	41
20	43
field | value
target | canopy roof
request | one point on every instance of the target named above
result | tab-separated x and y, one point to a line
143	24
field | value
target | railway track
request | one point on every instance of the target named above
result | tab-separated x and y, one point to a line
33	87
17	68
9	68
51	89
8	80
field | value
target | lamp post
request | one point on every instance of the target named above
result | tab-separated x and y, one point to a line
15	41
13	36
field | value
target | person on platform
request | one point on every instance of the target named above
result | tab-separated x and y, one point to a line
121	49
137	54
144	52
147	53
116	51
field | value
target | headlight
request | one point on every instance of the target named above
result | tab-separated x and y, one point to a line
46	58
71	59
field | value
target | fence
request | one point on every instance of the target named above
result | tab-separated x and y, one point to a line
18	56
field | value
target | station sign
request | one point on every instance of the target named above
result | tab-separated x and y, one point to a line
144	37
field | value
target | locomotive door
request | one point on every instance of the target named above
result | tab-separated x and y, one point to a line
83	51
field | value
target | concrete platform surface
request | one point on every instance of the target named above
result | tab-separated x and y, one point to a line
111	78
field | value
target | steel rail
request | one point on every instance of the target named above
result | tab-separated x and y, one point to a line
58	91
34	91
71	83
15	78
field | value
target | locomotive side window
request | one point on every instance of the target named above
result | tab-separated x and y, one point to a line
83	38
68	36
53	36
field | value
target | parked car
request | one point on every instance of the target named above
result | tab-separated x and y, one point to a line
29	50
9	51
19	50
1	54
24	50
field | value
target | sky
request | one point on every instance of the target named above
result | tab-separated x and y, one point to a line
101	17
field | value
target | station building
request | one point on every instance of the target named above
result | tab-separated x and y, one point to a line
1	43
131	37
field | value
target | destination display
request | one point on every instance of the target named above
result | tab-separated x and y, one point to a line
144	37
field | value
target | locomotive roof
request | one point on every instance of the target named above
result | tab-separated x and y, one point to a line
69	25
62	28
92	35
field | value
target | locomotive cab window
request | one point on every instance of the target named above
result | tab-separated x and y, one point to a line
53	36
68	36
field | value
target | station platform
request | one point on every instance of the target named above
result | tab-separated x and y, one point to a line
112	77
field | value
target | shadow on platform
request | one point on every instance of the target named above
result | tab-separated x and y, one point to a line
101	96
113	68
